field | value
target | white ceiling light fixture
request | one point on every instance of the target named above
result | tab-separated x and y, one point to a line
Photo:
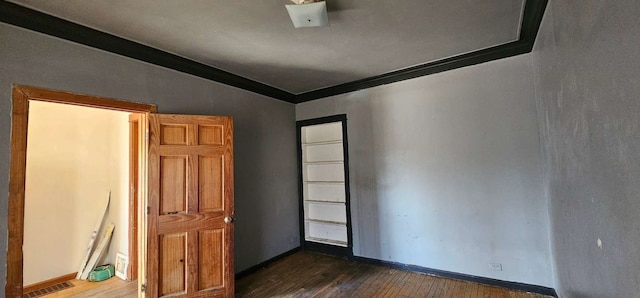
308	13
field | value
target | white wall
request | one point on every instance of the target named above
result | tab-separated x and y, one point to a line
75	155
445	171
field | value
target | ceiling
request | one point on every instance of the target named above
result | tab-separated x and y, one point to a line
256	40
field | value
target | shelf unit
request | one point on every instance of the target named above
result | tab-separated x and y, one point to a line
324	201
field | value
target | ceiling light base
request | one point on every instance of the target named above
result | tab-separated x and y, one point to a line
309	14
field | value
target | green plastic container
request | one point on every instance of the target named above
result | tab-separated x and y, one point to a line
101	273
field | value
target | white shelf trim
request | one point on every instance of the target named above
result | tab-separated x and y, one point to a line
329	222
323	162
326	241
324	182
322	143
324	202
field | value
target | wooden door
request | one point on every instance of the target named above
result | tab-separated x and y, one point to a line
190	206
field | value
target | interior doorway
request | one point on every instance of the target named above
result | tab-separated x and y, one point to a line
22	96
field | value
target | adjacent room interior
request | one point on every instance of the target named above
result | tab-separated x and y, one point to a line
480	148
87	151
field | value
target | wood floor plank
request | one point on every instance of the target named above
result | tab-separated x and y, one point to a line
411	281
438	289
385	282
462	289
348	281
397	284
425	287
361	279
474	290
446	289
322	280
373	273
429	286
465	288
389	283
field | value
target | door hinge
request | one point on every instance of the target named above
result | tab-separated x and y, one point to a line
146	137
148	209
143	288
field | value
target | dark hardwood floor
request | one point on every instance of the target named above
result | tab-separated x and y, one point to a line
306	274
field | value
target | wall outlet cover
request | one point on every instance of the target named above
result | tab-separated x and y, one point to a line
495	266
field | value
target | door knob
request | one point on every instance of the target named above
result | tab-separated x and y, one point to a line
229	219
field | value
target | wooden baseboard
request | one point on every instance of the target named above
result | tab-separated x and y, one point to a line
48	282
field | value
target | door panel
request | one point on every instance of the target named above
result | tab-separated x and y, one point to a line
210	134
190	193
173	134
211	256
173	185
211	195
172	255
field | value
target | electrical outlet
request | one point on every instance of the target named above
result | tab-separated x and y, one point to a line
495	266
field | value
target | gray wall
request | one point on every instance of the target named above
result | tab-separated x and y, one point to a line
265	171
446	171
587	74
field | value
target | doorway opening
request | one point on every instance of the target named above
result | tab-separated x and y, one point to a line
22	96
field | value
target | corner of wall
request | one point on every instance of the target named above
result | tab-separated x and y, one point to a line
545	42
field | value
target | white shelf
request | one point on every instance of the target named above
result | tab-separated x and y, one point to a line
323	162
337	223
324	202
324	192
322	143
327	241
332	172
324	182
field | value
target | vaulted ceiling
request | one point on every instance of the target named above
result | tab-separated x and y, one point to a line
368	43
